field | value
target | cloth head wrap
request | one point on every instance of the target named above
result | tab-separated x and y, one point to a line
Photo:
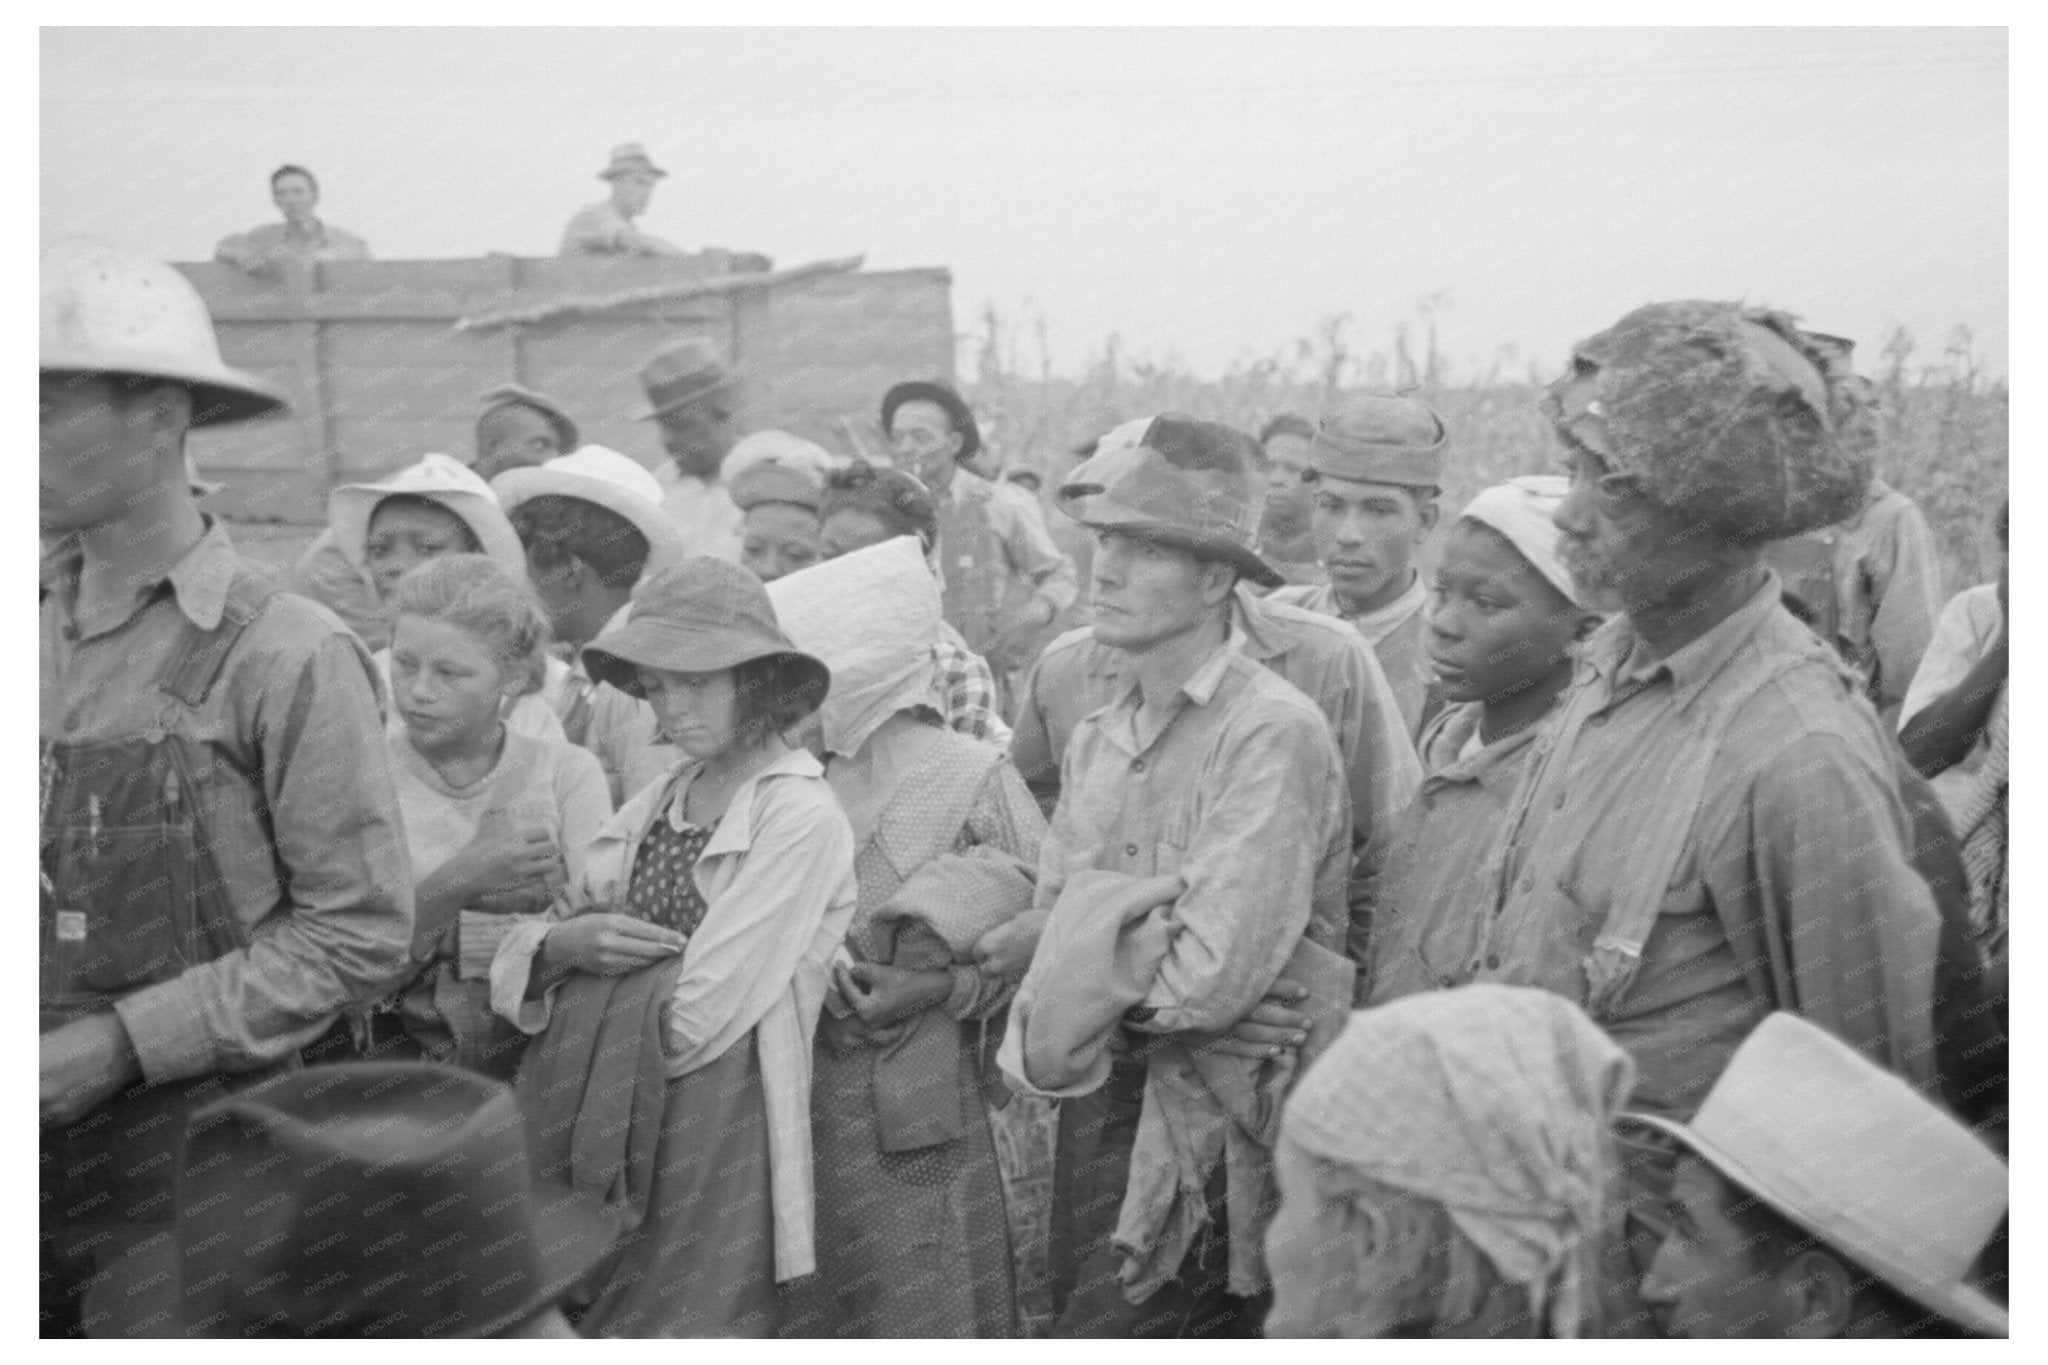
1494	1102
1728	415
1520	510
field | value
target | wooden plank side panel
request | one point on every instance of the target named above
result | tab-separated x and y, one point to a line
411	369
372	444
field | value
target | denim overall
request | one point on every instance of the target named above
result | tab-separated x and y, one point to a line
130	896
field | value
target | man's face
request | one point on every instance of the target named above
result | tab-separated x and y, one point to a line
98	454
1713	1277
1287	497
1623	550
631	192
697	437
1367	534
922	435
514	436
1496	626
1146	593
295	197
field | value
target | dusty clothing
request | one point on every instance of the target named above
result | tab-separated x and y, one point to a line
325	574
1241	794
993	542
264	246
1968	627
703	511
1745	765
1398	634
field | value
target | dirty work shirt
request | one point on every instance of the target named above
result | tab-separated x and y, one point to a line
1793	887
321	865
991	540
703	511
1240	793
1397	632
1969	626
266	245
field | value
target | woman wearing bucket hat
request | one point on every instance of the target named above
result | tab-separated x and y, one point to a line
740	863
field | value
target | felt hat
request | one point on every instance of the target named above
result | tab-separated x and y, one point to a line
502	395
942	393
1520	510
1725	414
440	479
773	481
679	374
356	1200
630	158
1852	1154
612	481
104	311
1381	438
700	616
1177	481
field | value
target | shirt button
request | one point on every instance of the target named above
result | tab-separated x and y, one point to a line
1138	767
1598	720
1528	883
1493	963
1130	850
71	632
1559	803
72	721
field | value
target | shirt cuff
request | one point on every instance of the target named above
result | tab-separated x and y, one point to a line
477	936
167	1027
512	968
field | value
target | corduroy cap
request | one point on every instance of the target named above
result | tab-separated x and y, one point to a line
1381	438
935	391
1178	481
702	616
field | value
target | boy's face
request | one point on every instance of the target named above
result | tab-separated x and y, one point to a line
1367	534
1712	1277
1496	626
1146	593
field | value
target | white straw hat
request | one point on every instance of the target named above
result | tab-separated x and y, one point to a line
614	482
440	479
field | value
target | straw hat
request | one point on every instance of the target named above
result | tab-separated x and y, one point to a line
105	310
360	1200
679	374
1177	481
701	616
612	481
1850	1153
630	158
1381	438
440	479
935	391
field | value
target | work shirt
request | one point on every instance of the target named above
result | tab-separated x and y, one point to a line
266	245
1968	627
1397	632
992	540
309	846
600	230
1792	887
703	511
1888	583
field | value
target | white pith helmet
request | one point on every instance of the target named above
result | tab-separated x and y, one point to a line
108	311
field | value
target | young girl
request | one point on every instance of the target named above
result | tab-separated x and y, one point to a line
741	862
496	822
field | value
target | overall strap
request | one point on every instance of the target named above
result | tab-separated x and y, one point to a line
194	666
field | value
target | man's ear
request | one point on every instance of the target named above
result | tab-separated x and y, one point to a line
1428	511
1218	578
1588	623
1826	1294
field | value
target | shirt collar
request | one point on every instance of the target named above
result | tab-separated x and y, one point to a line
1378	623
1689	669
198	581
1258	632
735	832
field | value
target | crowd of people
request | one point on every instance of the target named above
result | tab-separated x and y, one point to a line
722	901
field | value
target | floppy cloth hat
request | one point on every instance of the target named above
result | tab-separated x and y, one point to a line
1180	482
1381	438
933	391
357	1200
107	311
1520	510
679	374
701	616
610	480
1850	1153
1492	1101
508	395
440	479
1725	414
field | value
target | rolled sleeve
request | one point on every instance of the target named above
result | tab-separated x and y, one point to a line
512	971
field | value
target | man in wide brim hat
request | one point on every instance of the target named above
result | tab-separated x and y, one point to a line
692	396
606	228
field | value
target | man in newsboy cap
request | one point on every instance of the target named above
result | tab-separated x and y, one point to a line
606	227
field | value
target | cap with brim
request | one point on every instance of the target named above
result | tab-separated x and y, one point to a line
1856	1158
442	480
1381	438
702	616
681	373
1179	482
612	481
932	391
505	395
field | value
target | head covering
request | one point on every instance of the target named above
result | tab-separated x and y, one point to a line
872	615
1520	509
1728	415
503	395
1180	482
773	481
105	310
440	479
781	447
701	616
630	158
942	393
679	374
1850	1153
1494	1102
1381	438
362	1199
610	480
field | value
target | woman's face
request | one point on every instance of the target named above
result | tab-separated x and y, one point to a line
405	533
448	689
851	529
698	712
778	538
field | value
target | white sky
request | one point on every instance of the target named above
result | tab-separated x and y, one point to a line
1208	194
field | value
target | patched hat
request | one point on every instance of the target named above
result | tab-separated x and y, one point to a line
1381	438
612	481
774	481
1178	481
935	391
701	616
681	373
504	395
630	158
